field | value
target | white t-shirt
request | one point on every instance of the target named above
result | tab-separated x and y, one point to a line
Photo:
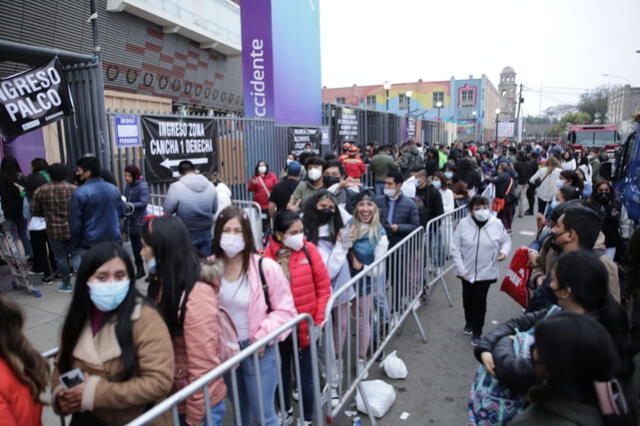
448	201
234	297
408	187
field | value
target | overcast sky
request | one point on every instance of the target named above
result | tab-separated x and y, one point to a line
565	45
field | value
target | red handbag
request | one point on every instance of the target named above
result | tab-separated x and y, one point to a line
515	280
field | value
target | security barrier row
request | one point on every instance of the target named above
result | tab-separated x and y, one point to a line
361	318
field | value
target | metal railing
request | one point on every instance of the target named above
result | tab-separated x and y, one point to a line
230	367
49	355
381	297
438	236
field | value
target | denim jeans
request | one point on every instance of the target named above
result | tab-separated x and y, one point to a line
202	241
379	186
248	387
136	247
436	249
306	376
62	250
77	259
217	415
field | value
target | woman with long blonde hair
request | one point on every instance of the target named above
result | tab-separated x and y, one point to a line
370	243
24	373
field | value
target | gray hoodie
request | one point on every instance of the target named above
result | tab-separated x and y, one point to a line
194	200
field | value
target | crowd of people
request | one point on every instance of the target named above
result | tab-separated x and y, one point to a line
325	218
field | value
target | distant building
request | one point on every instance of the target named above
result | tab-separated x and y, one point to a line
623	104
469	104
507	90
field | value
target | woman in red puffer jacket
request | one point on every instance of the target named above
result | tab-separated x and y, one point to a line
311	288
24	374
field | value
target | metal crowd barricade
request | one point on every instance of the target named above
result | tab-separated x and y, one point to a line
371	307
438	236
255	218
230	366
49	355
156	201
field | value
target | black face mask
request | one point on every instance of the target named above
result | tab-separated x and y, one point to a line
604	198
329	181
553	245
325	215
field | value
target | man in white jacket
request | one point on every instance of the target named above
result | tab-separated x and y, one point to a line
479	243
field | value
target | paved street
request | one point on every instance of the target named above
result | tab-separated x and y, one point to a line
441	372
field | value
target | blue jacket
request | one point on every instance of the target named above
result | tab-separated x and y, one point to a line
137	194
194	200
94	213
405	215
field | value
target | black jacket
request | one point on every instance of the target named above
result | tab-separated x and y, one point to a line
11	199
432	200
501	183
525	170
517	374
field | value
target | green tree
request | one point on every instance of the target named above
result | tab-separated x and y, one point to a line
596	100
560	128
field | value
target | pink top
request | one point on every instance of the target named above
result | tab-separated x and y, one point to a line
283	309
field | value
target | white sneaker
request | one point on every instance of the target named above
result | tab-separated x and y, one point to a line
336	373
360	367
335	398
395	320
288	419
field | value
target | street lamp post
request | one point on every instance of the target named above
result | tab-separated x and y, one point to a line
497	118
438	105
408	94
387	86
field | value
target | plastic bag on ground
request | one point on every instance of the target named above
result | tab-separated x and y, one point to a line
394	367
380	396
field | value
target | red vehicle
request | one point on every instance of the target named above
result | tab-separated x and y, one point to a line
586	136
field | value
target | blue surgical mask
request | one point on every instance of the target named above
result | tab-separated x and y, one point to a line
554	204
108	296
151	265
448	175
436	184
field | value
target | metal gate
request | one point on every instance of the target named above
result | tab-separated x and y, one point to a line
240	144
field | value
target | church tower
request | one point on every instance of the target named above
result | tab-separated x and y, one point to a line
507	93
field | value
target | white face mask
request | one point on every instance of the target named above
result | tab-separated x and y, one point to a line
389	192
314	174
294	242
262	169
108	296
289	161
231	244
482	215
559	183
